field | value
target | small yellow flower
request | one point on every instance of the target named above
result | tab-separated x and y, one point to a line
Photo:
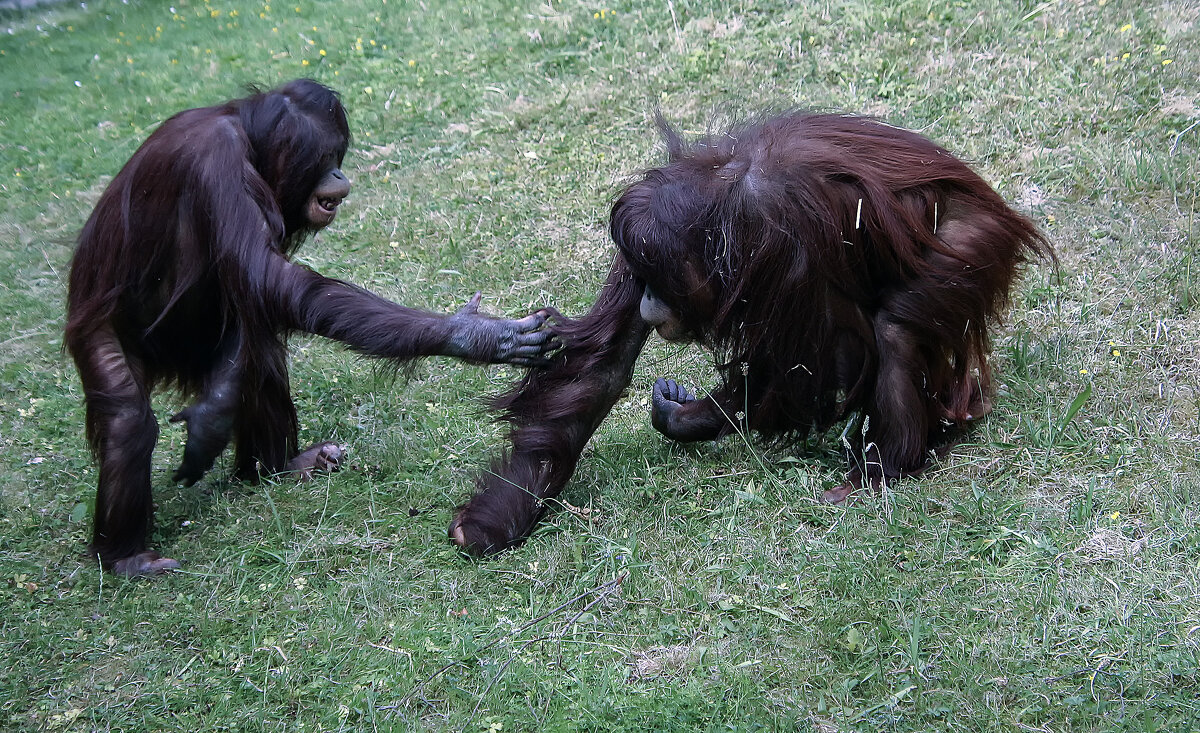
412	62
304	62
1166	61
1083	371
1126	28
1116	352
322	52
1115	516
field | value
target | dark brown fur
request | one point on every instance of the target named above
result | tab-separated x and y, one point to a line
834	264
182	277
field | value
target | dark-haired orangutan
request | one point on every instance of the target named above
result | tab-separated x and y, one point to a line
182	277
834	265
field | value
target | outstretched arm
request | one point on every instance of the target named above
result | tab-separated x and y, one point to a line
307	301
272	293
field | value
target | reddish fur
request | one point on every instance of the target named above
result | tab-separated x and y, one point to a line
750	237
553	412
805	300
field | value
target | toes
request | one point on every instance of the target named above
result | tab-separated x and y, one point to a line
836	495
319	457
329	457
143	564
846	494
161	565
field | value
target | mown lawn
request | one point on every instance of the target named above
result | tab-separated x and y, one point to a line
1044	576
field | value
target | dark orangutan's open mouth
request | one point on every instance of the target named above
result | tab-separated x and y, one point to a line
322	210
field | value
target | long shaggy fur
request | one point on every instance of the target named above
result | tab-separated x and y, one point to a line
832	263
552	413
175	269
182	277
806	229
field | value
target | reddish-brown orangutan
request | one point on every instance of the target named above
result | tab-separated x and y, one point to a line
182	277
834	264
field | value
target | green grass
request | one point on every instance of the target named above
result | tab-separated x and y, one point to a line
1045	576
